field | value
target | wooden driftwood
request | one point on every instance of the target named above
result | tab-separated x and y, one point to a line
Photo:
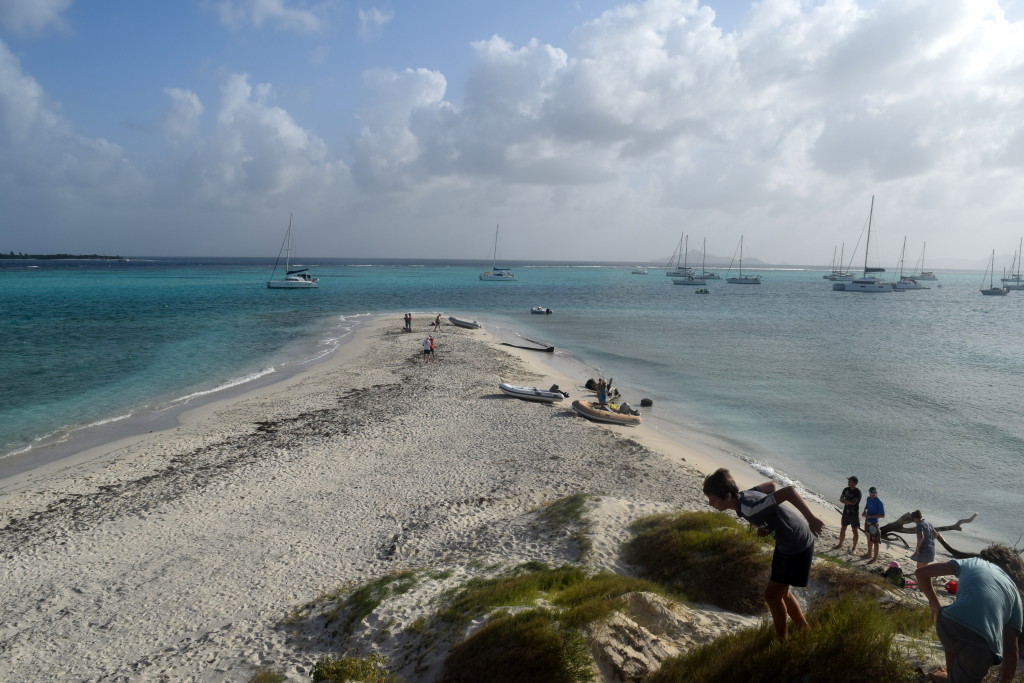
904	525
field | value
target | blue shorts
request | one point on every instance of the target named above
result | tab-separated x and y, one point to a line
792	570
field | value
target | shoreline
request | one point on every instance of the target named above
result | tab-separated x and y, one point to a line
181	553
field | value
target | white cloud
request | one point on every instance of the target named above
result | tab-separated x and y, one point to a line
237	14
33	16
372	21
257	153
40	152
181	125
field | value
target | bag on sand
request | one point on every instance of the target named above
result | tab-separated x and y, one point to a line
894	575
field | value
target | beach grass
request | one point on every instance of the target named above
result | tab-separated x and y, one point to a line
707	557
849	638
526	646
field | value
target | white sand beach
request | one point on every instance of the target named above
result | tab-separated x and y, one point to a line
179	555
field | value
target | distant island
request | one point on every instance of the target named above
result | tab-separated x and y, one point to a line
12	255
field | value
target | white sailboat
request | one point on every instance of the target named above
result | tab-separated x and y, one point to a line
689	278
293	279
992	290
742	279
837	273
677	256
905	282
923	274
496	274
866	283
1014	281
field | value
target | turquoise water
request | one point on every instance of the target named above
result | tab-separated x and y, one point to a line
918	393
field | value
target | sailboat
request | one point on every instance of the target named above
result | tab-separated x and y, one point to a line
1014	281
293	279
923	274
906	282
689	278
496	274
838	274
866	283
677	256
743	279
992	290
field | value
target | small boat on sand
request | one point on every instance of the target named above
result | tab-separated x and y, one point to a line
531	393
592	410
468	324
541	309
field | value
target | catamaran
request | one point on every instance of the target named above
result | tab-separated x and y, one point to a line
866	283
293	279
496	274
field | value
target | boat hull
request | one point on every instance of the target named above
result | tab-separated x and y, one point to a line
744	280
531	393
995	291
292	284
468	324
497	277
870	285
688	281
592	411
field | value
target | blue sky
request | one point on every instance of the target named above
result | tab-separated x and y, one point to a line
588	129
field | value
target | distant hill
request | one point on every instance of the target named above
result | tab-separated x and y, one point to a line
47	257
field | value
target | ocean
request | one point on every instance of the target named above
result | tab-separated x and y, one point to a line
918	393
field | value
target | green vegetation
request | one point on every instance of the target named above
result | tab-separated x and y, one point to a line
368	669
361	603
537	620
528	646
580	598
19	255
570	512
849	639
708	557
268	676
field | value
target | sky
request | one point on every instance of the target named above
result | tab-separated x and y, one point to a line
587	129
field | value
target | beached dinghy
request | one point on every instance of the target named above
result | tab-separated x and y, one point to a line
531	393
468	324
592	410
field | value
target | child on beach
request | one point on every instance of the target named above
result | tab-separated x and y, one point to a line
762	507
926	535
874	510
850	500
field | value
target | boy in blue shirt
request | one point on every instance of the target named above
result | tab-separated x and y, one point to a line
762	507
874	510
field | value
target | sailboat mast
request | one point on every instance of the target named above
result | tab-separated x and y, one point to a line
867	244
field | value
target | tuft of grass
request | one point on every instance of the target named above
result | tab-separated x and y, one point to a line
360	603
565	511
267	676
570	512
528	646
479	596
848	639
708	557
369	669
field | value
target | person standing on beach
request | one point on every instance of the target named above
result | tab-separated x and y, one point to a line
850	500
437	323
874	510
983	626
602	391
926	535
762	506
427	344
432	356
